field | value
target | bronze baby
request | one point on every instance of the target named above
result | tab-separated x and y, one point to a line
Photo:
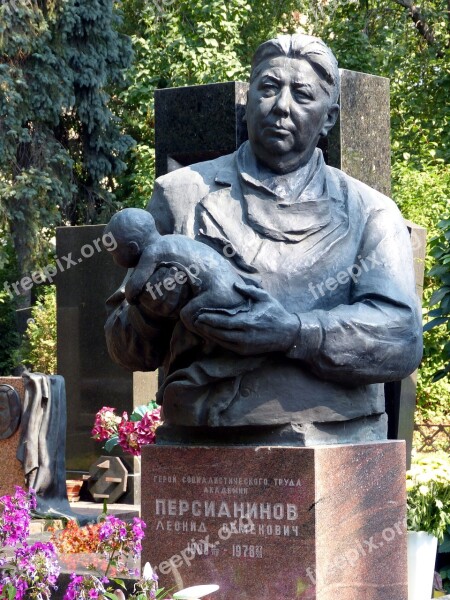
213	281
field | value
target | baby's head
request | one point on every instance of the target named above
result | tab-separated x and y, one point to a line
133	229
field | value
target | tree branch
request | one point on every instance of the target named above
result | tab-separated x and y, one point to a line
448	18
425	30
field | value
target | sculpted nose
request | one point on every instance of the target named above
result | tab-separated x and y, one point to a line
282	104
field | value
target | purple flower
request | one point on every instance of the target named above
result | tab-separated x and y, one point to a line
119	540
15	518
85	587
35	570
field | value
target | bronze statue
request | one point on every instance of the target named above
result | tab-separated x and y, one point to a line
323	261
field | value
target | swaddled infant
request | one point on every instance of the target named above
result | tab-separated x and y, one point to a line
211	277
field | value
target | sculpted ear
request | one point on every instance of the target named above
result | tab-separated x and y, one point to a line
330	120
133	248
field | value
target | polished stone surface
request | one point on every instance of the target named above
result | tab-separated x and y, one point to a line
271	522
401	395
196	123
359	144
92	379
11	472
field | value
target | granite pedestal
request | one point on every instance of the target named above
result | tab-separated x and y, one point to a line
11	471
278	523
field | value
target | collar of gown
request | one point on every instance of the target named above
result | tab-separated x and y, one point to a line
285	219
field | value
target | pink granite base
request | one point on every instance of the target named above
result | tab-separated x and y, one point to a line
11	471
278	523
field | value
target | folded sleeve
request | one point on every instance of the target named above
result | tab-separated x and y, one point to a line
377	337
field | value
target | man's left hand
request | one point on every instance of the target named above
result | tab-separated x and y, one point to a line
266	327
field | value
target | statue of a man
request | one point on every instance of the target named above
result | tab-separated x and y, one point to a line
326	269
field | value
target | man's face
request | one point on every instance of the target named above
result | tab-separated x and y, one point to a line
287	112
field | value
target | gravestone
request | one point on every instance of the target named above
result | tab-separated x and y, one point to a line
359	144
92	379
11	473
215	125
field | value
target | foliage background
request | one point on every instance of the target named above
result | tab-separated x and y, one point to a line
39	347
186	42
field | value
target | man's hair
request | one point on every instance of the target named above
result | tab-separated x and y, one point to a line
305	47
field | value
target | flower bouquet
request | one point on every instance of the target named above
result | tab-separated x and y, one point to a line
130	432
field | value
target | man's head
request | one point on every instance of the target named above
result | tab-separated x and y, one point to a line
292	101
133	229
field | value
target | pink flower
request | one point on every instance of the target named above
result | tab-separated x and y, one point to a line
135	434
85	587
128	435
33	571
130	432
106	422
120	539
147	427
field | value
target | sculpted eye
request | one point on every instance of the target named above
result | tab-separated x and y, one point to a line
269	87
301	95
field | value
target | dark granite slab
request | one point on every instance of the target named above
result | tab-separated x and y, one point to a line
197	123
92	379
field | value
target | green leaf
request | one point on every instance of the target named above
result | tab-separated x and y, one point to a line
445	546
438	271
435	323
11	591
438	295
445	305
111	443
138	412
441	374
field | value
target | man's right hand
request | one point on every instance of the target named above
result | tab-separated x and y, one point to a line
162	296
